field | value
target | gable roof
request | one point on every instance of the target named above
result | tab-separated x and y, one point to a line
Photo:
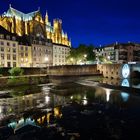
20	15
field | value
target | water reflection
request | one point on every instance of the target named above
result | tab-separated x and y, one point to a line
135	83
50	99
125	96
125	83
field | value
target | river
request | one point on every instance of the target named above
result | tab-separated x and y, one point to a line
81	106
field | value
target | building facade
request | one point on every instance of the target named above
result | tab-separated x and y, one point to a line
8	49
24	52
38	39
40	55
120	52
60	53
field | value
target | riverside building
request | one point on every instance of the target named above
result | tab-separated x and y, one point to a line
120	52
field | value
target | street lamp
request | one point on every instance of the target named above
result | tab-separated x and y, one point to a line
71	59
46	59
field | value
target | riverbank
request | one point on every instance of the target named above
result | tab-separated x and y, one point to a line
9	81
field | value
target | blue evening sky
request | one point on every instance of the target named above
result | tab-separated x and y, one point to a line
89	21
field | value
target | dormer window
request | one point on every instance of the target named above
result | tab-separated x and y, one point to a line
13	38
1	36
8	37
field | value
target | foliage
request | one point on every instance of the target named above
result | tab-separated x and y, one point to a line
16	71
81	54
101	58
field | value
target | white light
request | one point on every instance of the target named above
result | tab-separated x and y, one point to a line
71	59
126	71
108	92
47	99
26	59
85	55
85	97
71	97
85	102
46	59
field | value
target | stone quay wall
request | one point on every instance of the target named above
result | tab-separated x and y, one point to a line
73	70
106	70
110	70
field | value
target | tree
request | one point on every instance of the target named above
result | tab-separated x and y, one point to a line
90	53
16	71
81	54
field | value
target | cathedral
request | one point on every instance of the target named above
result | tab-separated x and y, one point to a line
34	25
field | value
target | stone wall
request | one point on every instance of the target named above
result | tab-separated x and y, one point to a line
110	70
107	70
73	70
27	71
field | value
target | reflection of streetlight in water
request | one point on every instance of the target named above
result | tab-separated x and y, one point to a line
85	100
47	99
107	92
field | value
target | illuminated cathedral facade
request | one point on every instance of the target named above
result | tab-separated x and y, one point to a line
33	24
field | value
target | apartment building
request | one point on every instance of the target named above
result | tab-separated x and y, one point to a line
120	52
60	53
8	49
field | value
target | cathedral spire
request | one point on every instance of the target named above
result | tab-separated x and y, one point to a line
38	8
10	6
46	18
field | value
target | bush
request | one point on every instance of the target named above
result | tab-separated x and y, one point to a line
16	71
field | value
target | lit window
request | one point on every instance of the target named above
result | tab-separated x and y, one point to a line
8	49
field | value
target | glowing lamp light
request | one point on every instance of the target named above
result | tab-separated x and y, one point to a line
46	59
125	71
